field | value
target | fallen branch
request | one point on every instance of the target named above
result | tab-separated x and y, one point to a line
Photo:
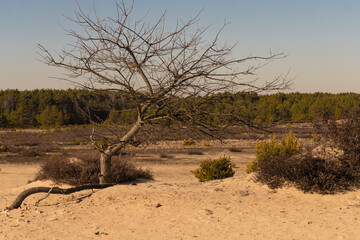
48	194
54	190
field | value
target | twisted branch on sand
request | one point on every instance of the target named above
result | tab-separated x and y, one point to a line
54	190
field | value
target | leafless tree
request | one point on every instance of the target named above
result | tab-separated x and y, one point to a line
167	73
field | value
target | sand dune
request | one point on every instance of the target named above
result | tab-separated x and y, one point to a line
176	206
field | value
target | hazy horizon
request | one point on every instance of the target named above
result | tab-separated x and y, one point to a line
321	38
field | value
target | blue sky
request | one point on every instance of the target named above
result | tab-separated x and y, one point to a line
320	37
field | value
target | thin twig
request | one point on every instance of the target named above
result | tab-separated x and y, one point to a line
47	195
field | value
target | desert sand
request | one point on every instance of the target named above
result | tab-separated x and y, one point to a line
176	206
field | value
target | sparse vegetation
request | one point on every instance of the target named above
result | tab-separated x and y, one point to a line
195	152
215	169
102	144
163	155
310	173
4	148
29	153
188	142
235	150
206	144
78	142
316	137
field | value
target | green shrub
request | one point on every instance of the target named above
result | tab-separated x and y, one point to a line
4	148
288	146
188	142
251	167
215	169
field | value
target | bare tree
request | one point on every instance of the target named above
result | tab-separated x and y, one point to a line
166	73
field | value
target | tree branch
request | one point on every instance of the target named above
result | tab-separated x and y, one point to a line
54	190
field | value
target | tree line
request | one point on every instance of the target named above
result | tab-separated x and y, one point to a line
49	107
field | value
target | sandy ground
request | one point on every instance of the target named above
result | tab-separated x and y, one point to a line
176	206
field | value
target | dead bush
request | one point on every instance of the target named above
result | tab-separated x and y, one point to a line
325	173
29	153
344	134
195	152
308	173
164	155
45	148
235	150
325	176
79	172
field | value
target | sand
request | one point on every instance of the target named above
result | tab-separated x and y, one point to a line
176	206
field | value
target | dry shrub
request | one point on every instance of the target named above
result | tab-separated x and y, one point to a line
308	173
251	167
29	153
188	142
38	150
45	148
344	134
27	144
235	150
323	174
123	171
195	152
14	149
164	155
81	172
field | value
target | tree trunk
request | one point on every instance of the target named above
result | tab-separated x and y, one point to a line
105	168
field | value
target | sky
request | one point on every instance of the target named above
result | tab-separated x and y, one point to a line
321	38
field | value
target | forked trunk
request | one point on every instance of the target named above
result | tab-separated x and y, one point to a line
105	169
105	156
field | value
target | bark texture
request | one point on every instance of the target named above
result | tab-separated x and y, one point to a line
105	169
